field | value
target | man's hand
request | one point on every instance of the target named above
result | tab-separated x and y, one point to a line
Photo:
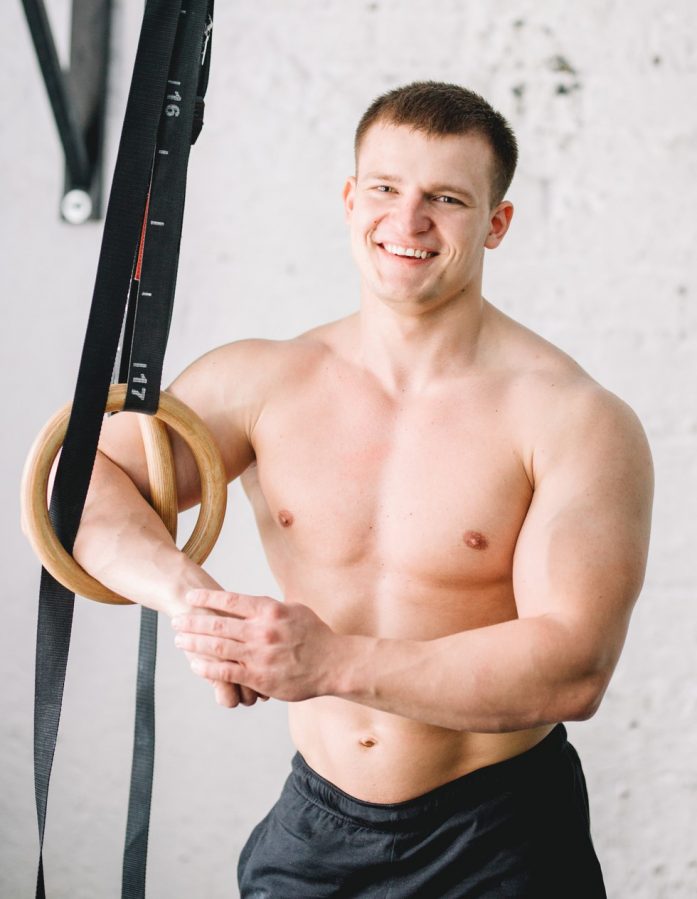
231	695
283	650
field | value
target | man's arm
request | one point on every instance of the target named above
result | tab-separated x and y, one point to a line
578	569
121	541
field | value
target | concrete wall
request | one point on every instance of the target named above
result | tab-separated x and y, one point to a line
600	260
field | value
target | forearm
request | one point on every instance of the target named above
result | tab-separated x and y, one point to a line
510	676
123	543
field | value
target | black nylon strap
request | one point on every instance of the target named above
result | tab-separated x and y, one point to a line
135	852
76	156
187	77
155	296
119	243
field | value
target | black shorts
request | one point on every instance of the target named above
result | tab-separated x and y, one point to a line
519	828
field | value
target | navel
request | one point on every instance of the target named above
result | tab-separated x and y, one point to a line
475	540
285	518
367	742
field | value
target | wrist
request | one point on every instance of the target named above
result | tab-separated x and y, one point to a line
351	662
187	575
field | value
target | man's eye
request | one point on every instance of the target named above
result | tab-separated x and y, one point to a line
384	188
447	200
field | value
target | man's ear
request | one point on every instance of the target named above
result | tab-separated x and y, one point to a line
498	225
349	195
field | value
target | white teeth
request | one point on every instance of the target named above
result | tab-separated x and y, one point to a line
407	251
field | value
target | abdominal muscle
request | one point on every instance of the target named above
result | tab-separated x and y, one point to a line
379	756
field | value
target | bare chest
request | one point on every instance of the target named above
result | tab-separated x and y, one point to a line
432	493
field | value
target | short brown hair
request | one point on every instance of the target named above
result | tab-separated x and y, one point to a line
437	108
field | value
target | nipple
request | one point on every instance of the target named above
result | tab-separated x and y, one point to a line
285	518
475	540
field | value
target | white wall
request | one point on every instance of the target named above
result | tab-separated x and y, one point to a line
600	260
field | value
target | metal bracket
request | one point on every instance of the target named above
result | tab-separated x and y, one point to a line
78	99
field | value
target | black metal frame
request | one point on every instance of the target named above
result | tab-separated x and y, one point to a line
78	98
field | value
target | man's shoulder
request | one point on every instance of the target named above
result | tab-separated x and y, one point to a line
529	355
558	403
546	374
259	357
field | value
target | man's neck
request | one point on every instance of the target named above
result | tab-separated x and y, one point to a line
409	350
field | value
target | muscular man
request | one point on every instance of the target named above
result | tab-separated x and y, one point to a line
457	516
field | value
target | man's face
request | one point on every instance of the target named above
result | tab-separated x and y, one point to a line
428	197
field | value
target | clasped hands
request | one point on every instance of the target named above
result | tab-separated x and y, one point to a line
249	646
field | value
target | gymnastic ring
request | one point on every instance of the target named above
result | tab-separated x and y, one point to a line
188	425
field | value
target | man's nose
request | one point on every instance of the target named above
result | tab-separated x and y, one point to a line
412	215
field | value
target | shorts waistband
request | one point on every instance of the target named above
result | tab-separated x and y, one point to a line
413	814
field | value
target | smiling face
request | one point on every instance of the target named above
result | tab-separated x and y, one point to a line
420	215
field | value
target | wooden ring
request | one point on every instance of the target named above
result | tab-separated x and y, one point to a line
181	419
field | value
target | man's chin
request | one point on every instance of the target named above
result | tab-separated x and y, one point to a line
405	301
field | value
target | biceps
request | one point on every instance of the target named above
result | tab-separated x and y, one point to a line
122	443
584	563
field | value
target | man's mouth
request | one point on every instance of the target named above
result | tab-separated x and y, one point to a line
407	252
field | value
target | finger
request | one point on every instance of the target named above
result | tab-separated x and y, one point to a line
210	625
238	604
190	656
212	647
228	672
227	695
231	695
247	695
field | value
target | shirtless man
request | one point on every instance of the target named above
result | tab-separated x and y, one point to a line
457	516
